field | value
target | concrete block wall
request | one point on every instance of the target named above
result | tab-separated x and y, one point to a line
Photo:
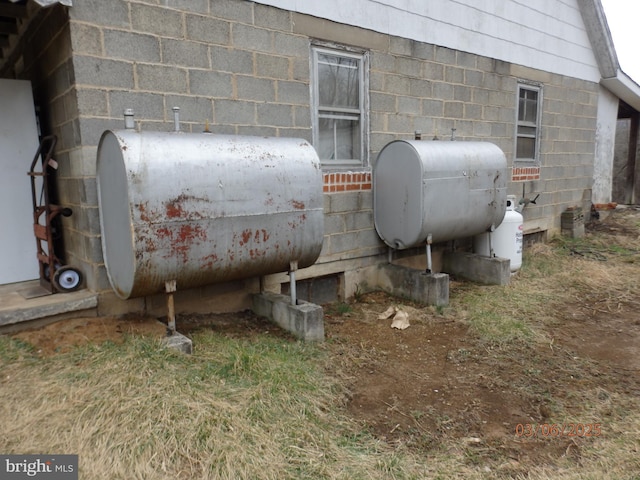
434	90
244	68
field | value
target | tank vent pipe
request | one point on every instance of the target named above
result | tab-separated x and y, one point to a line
417	135
129	122
176	119
293	266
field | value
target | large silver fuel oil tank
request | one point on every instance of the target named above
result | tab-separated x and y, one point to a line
446	190
204	208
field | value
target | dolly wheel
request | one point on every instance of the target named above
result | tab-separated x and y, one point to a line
67	279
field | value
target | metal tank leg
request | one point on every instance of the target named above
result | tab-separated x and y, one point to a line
293	266
429	264
170	288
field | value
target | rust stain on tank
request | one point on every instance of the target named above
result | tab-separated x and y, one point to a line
255	253
148	243
246	236
150	246
144	216
189	233
181	239
261	236
301	220
174	210
164	232
209	261
298	205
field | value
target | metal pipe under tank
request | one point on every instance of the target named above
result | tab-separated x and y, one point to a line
428	248
292	282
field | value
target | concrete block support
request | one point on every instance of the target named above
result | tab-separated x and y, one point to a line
179	342
478	268
417	285
305	320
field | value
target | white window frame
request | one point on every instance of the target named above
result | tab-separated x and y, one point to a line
342	113
536	125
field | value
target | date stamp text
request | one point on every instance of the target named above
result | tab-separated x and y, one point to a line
539	430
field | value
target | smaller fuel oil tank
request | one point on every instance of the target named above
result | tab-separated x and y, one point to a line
200	208
446	190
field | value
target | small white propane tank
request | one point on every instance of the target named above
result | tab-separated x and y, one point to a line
506	240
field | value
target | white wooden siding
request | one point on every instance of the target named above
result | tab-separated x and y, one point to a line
545	34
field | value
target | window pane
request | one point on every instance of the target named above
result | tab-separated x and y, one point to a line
339	139
531	112
338	81
521	107
528	106
526	148
522	130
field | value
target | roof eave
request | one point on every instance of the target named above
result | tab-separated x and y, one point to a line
624	87
600	37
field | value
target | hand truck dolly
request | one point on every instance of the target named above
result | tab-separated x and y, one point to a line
54	276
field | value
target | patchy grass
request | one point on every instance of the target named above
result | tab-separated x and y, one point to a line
237	408
502	315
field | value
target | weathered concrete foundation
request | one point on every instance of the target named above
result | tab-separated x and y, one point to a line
23	304
305	320
478	268
417	285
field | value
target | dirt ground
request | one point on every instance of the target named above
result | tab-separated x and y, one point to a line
434	380
62	336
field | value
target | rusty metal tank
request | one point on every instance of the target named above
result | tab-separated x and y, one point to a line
437	190
205	208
